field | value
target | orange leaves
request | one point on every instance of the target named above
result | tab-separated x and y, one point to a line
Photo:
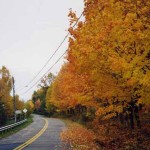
108	60
37	104
71	30
131	82
100	111
72	14
79	138
80	24
73	17
108	56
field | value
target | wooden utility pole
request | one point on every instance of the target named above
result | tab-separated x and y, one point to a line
13	81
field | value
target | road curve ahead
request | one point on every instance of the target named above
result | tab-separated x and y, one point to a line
42	134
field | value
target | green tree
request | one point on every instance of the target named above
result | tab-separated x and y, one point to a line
40	94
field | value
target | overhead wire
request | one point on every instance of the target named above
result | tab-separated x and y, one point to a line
50	59
45	73
54	52
20	89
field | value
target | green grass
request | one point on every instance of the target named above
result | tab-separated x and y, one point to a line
17	128
9	122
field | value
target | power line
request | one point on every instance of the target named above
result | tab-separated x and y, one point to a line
48	60
45	73
53	53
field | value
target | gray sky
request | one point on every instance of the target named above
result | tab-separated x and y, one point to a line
30	31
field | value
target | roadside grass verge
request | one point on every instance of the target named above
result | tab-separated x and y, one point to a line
17	128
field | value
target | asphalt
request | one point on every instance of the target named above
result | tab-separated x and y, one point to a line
49	140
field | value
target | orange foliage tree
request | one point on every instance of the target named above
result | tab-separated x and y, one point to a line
108	65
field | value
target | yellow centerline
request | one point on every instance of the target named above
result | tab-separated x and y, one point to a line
34	137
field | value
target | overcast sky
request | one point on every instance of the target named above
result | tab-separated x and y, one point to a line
30	31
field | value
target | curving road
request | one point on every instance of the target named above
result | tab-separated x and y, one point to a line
42	134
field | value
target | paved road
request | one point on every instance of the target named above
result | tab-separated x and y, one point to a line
49	140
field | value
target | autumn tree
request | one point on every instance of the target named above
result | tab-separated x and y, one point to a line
19	103
108	66
107	73
50	107
6	102
39	96
29	105
37	105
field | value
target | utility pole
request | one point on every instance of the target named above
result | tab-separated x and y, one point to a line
13	81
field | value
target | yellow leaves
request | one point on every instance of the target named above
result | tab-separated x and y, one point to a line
118	64
130	19
107	56
140	35
145	10
107	112
29	106
5	89
127	75
19	103
145	81
138	25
